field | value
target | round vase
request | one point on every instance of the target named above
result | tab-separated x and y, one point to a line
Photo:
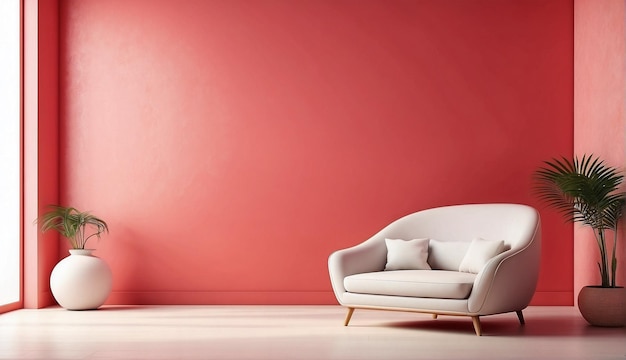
81	281
603	306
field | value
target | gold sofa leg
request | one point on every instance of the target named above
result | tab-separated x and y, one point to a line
349	316
520	316
476	321
435	316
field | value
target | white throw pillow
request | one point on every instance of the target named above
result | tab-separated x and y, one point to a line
407	254
478	253
446	255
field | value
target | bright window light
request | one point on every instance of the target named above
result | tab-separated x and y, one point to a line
9	151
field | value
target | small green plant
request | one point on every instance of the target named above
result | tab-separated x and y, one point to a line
586	191
72	224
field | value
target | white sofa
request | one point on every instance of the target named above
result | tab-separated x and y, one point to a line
363	277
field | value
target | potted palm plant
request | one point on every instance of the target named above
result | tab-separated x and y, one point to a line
80	281
586	191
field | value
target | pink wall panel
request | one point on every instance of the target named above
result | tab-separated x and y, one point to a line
600	112
233	145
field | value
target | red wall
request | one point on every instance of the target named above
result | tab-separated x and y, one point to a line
233	145
600	113
40	145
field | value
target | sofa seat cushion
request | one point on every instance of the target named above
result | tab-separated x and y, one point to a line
440	284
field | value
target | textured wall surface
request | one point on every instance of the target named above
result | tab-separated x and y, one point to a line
233	145
600	113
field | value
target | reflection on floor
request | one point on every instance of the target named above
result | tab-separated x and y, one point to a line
298	332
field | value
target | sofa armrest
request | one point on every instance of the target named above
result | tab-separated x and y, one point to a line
508	281
368	256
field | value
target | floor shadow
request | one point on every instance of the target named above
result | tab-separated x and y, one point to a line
557	326
122	307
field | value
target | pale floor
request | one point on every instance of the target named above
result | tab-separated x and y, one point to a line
298	332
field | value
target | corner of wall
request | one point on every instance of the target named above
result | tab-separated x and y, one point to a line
41	153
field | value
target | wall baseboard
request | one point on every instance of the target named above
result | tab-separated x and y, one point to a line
547	298
553	298
222	298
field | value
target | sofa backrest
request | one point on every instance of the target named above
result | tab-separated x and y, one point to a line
515	224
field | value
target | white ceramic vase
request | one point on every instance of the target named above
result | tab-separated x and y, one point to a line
81	281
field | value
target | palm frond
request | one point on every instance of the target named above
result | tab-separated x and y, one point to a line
72	224
583	190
